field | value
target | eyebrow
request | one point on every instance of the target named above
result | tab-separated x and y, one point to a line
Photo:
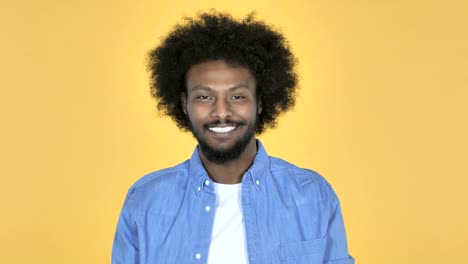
206	88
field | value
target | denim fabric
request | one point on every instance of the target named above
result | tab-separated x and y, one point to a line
291	215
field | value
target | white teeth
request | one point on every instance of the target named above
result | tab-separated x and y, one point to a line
222	129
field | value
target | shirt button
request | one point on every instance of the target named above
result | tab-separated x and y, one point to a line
199	188
198	256
257	182
207	182
207	208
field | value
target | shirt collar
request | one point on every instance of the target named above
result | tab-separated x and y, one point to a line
256	173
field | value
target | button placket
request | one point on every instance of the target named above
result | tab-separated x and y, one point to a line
206	208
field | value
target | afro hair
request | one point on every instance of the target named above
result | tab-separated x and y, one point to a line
218	36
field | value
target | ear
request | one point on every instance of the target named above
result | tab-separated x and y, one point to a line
183	101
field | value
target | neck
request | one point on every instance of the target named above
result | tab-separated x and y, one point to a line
232	171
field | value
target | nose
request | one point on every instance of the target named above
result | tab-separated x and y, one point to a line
222	109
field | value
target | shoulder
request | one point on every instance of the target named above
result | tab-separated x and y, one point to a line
157	186
163	176
301	181
300	175
295	174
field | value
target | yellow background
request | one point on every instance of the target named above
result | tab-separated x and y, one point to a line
381	113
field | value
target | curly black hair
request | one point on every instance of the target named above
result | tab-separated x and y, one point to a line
218	36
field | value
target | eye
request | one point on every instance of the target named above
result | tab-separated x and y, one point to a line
202	97
238	97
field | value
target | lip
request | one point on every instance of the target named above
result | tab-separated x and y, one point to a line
222	129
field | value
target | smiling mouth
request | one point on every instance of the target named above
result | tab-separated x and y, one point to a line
225	129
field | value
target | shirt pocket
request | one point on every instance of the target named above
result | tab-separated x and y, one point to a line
303	252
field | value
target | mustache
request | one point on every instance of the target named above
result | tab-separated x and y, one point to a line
226	122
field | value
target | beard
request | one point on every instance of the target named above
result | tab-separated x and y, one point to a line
224	155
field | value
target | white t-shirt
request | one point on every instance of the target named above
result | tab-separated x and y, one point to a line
228	244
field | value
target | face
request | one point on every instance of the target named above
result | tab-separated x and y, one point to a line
222	109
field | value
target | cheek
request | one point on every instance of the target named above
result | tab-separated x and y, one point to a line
197	112
249	114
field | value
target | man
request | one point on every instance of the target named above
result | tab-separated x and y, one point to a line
225	81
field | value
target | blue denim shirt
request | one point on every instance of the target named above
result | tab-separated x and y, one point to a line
291	215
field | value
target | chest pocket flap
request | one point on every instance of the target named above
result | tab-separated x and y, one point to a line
310	251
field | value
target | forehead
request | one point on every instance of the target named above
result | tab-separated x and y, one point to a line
218	74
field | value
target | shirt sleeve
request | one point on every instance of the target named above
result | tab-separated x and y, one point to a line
336	251
125	248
